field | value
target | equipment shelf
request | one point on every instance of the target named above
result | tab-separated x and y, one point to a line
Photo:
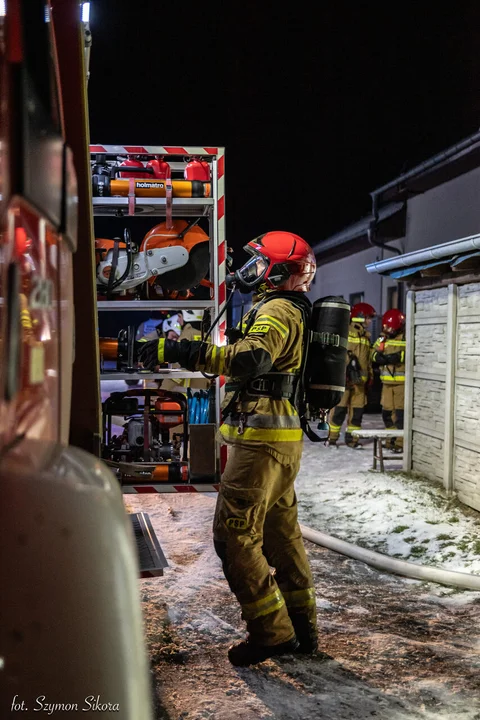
213	210
173	373
117	305
181	207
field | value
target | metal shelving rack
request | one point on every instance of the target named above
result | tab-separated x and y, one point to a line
213	209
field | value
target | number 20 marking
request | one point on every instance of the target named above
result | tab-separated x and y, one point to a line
41	297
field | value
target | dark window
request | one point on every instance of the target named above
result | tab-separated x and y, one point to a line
392	297
356	298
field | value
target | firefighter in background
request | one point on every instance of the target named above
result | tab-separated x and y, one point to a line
389	352
255	523
359	374
171	328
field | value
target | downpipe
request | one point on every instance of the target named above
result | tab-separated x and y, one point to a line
464	581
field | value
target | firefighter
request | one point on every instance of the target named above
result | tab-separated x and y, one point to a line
359	374
255	524
389	352
172	328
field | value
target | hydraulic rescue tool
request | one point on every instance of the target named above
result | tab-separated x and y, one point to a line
134	179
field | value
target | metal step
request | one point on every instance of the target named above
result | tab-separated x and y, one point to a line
151	559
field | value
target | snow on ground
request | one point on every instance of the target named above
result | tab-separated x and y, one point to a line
391	648
408	518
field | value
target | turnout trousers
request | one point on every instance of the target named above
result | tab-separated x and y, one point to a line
393	399
352	404
255	529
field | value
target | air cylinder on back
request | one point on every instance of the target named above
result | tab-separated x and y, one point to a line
327	358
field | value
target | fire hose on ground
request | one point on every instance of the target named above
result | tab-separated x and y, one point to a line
465	581
390	565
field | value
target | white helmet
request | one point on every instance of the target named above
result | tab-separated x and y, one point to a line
172	323
192	315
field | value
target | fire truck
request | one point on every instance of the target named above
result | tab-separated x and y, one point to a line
71	636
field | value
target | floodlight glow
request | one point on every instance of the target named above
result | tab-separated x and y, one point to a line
86	12
3	9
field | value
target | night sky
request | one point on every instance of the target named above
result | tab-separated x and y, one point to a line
314	113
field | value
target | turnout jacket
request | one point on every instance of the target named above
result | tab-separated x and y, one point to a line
273	343
389	353
359	345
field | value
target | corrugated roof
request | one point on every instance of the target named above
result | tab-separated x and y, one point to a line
456	256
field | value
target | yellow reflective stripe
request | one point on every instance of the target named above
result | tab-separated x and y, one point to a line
358	320
230	432
392	378
358	340
351	428
161	351
300	598
395	343
335	428
265	606
217	359
273	322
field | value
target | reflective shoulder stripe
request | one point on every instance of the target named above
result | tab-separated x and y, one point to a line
272	322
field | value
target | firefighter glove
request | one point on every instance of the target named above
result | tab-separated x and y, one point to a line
389	359
148	353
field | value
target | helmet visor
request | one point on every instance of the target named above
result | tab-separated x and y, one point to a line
253	271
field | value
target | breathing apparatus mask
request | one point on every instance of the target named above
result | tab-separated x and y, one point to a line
253	275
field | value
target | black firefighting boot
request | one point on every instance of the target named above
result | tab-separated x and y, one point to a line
306	632
351	441
249	653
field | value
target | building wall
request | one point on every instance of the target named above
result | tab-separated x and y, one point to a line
348	275
437	452
429	383
448	212
444	213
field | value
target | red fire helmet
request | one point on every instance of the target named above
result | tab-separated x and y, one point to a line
393	321
280	261
361	311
